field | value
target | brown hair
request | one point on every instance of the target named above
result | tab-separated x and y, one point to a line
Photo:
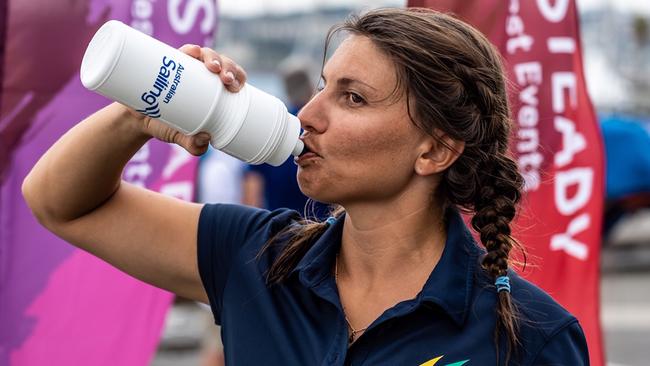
454	82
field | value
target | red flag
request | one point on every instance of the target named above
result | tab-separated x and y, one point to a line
557	144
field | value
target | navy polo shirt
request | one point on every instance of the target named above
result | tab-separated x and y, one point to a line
301	322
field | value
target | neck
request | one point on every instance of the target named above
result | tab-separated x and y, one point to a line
383	242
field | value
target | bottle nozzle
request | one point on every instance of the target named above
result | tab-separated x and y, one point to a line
298	149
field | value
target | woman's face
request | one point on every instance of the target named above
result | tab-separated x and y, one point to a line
363	142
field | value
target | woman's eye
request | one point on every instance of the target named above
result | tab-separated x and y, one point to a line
355	99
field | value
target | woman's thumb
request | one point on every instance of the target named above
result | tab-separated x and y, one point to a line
198	144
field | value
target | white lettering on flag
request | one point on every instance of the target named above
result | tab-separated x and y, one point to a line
572	141
582	179
528	72
566	241
138	169
561	45
183	24
559	82
529	75
141	13
553	13
178	158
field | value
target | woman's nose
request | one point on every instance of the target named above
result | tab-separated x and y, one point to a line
313	116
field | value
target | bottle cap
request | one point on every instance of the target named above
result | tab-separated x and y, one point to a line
102	54
288	143
299	148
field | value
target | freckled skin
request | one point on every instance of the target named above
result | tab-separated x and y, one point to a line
368	151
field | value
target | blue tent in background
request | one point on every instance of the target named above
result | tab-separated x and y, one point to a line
627	153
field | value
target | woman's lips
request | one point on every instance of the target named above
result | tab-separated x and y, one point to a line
305	150
308	153
305	157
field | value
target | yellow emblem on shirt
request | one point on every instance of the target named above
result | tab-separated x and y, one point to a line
434	360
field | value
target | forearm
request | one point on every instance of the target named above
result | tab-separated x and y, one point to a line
83	168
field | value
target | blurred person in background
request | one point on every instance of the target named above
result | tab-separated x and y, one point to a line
410	128
220	178
271	187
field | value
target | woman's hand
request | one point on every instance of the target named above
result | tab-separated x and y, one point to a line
233	77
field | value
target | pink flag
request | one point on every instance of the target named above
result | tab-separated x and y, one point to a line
558	146
59	305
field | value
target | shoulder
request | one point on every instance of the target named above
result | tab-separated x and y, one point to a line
537	308
225	230
243	221
548	332
229	237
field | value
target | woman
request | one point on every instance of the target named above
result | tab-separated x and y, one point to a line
410	126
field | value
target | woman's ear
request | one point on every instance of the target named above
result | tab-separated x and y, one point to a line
438	153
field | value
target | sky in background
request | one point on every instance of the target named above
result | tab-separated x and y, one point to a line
256	7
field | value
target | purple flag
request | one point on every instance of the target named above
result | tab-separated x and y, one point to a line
59	305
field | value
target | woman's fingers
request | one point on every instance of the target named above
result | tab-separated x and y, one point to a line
240	74
211	59
192	50
232	75
196	145
230	79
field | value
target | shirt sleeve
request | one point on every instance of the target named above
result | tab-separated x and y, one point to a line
223	230
567	347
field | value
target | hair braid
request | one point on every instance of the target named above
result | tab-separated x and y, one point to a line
495	209
486	180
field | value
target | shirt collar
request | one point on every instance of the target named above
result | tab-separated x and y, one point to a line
317	263
449	285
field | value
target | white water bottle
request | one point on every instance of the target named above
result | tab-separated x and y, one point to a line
162	82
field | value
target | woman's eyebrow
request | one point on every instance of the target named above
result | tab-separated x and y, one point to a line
346	81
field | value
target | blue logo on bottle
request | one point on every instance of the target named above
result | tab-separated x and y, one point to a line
161	84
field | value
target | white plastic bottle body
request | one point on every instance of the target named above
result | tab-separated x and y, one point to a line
162	82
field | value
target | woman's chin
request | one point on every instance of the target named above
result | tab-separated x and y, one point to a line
315	190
